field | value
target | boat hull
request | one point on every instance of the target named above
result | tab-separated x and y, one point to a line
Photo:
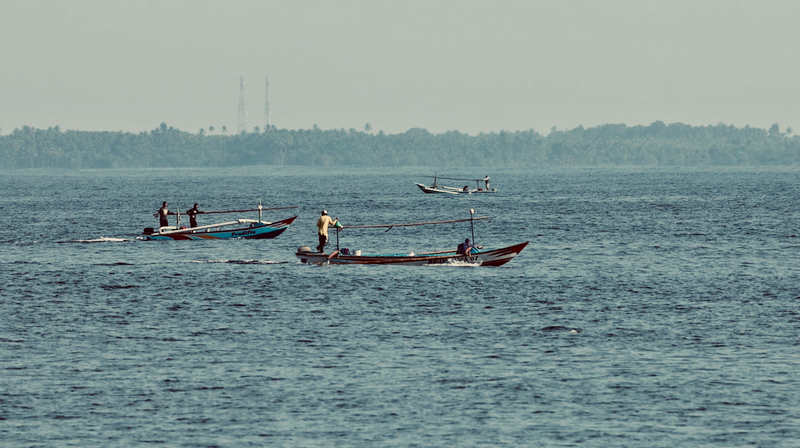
448	190
266	231
494	257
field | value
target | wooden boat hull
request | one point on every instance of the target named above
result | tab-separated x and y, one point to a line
448	190
265	231
494	257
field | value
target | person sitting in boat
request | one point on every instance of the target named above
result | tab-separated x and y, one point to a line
465	247
322	224
193	212
162	215
466	188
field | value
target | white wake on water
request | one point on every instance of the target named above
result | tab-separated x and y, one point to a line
237	261
102	240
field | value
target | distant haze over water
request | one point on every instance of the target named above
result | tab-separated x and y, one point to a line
477	66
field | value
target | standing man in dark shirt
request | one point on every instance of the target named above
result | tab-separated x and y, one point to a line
193	212
162	215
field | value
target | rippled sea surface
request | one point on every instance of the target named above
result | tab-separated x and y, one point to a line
652	307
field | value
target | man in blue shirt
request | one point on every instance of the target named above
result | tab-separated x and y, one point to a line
465	247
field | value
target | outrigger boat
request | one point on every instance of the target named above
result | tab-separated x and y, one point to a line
476	256
435	188
241	228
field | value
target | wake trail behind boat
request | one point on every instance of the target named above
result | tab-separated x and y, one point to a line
97	240
238	261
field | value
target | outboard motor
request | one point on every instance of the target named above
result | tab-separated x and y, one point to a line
148	231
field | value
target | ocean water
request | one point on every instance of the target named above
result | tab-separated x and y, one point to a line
652	307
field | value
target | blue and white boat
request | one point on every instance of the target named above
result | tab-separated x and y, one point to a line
253	229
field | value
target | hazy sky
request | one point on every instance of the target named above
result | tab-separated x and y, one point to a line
444	65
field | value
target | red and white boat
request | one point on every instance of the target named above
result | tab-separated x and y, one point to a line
477	256
494	257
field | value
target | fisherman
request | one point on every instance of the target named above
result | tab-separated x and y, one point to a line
464	248
162	215
466	188
193	212
486	182
322	223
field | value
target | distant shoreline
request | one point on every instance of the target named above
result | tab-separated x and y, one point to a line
658	144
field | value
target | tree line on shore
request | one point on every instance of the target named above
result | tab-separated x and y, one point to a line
607	145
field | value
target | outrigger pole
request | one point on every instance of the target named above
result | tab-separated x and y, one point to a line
259	209
417	223
471	219
455	178
477	181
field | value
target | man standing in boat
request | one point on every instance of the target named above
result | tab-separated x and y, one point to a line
192	212
162	215
322	224
486	182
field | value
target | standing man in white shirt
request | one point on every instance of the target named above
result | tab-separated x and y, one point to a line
322	223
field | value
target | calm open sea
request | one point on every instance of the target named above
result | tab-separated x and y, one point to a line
653	307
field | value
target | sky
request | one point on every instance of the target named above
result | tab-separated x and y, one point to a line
469	66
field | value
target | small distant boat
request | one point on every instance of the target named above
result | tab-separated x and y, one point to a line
241	228
475	256
436	188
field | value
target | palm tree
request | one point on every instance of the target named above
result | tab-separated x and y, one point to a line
224	130
367	127
211	129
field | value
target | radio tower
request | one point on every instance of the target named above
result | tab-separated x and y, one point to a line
266	104
242	125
